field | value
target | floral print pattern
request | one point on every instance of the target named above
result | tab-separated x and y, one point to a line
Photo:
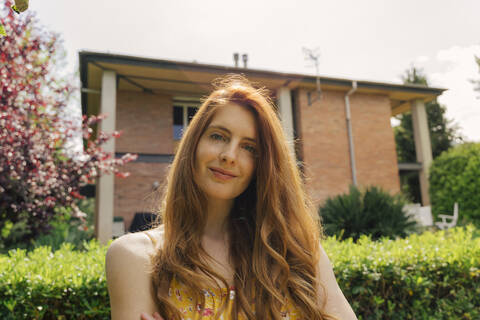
181	297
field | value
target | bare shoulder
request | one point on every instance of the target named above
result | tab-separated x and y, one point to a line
335	301
138	244
128	268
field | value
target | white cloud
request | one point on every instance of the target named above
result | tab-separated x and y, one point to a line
421	59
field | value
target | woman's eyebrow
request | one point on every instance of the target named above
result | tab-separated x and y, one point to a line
229	132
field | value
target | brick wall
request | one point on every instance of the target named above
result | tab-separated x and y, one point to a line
325	143
147	125
375	152
135	193
146	121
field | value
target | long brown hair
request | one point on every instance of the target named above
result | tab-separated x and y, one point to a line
273	227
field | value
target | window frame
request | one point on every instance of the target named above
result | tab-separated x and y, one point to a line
184	105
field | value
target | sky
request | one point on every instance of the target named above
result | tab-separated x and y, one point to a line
373	40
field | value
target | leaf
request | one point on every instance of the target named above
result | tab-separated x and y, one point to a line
14	8
358	289
378	300
10	304
20	6
2	31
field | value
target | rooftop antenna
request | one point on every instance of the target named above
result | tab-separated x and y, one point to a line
313	55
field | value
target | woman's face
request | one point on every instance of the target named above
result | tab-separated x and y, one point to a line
225	158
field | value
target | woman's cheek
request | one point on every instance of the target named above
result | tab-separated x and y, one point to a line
249	167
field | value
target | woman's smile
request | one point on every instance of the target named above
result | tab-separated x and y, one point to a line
222	174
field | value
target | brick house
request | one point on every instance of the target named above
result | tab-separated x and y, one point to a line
343	137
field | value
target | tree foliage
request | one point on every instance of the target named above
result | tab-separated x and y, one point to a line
454	177
443	134
37	176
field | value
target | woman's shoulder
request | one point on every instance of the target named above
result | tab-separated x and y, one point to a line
128	271
138	244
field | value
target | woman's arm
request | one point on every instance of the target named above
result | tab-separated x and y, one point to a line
336	305
128	280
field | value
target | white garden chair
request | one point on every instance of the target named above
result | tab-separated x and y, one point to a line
422	215
448	221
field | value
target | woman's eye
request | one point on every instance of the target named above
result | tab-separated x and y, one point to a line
216	136
251	149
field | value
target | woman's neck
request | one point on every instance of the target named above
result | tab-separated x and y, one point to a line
217	219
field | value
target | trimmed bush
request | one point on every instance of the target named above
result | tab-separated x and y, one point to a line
455	177
428	276
65	284
432	276
373	212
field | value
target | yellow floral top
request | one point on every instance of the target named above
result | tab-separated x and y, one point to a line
181	298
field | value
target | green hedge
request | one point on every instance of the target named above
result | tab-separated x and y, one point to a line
65	284
428	276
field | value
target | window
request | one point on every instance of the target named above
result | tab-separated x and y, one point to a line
182	114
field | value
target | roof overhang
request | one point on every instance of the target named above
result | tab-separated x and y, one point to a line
194	80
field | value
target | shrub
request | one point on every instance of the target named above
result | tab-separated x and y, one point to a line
65	228
65	284
372	212
455	177
67	225
428	276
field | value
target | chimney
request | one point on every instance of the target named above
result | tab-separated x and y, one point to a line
235	59
245	59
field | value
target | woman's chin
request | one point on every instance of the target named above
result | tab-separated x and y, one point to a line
220	194
220	197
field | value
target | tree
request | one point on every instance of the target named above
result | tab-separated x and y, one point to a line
443	134
454	178
37	176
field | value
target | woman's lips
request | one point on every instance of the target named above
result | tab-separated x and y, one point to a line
220	175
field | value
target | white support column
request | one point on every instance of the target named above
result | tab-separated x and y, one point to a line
423	146
284	101
105	184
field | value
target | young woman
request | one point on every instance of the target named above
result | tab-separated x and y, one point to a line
239	237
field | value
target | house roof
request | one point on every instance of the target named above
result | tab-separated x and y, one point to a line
191	79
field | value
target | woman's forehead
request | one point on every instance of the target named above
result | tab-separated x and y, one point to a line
236	119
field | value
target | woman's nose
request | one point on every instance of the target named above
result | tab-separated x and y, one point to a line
229	153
